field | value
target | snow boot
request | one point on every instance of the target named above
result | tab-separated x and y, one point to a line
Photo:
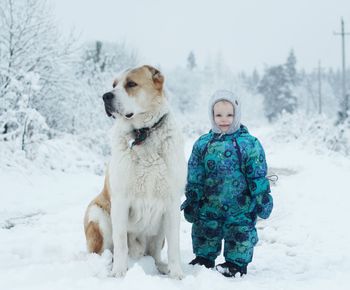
229	269
202	262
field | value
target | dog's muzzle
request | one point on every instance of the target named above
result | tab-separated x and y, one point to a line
108	99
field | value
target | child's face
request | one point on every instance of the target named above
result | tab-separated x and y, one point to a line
223	115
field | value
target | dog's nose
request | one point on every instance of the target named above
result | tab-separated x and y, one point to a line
108	96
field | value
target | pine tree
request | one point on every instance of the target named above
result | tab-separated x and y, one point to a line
291	70
275	86
255	77
191	61
251	81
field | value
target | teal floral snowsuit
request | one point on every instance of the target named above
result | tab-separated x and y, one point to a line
226	190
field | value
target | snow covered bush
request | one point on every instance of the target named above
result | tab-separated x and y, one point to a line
319	131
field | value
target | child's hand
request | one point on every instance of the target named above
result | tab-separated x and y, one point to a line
264	205
190	211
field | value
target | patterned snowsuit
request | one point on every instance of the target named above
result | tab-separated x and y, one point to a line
226	190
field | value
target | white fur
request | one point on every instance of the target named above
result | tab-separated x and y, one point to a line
145	184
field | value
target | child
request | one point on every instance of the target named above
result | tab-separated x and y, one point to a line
226	189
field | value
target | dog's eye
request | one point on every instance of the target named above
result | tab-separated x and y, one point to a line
115	82
131	84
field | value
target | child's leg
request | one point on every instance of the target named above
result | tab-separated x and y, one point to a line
205	248
206	239
239	245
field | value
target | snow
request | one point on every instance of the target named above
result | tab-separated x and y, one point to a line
305	243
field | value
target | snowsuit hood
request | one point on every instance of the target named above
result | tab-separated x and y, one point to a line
224	95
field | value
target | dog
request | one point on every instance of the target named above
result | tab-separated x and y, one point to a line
139	206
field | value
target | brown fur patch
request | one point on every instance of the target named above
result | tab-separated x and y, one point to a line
94	238
157	77
103	200
147	79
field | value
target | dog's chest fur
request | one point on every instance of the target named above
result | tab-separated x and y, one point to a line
150	169
149	190
145	216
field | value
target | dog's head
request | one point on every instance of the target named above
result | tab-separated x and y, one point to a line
135	92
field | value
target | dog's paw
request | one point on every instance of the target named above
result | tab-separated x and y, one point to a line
176	274
119	272
162	268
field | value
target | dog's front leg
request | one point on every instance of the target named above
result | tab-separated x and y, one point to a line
119	217
172	232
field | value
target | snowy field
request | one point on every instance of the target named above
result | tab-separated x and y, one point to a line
304	245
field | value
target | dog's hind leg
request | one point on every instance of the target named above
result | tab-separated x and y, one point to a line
94	238
98	230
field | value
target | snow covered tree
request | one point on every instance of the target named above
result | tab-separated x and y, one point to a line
255	78
276	89
99	62
251	82
191	61
279	86
291	70
185	88
33	70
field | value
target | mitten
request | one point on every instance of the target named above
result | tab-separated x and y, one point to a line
190	210
264	205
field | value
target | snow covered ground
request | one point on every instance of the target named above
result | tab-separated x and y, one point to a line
304	245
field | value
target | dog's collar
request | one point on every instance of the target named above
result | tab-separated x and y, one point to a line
142	133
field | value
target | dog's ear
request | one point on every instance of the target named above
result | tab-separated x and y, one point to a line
157	77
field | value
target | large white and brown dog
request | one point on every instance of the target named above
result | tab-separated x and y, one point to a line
138	208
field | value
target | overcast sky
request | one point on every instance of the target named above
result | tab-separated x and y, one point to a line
247	33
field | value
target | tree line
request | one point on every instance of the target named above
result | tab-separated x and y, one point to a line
51	85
